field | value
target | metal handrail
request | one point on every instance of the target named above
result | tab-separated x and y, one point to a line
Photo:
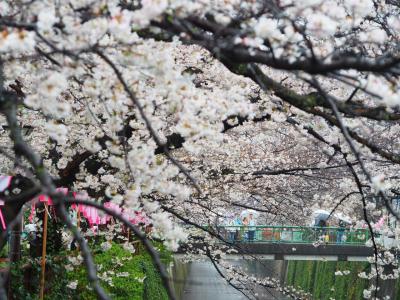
294	234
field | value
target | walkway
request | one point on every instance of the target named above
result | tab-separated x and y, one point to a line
204	282
295	242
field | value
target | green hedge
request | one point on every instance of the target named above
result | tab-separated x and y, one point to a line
25	279
143	281
140	278
397	293
153	287
121	287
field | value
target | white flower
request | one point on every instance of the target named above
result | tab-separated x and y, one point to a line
57	132
392	99
222	19
91	145
140	279
62	163
120	25
363	275
338	273
105	246
46	19
321	25
367	294
370	206
73	285
375	35
267	29
307	3
278	117
378	183
4	8
17	41
76	261
53	85
360	8
129	247
132	197
341	273
150	10
69	268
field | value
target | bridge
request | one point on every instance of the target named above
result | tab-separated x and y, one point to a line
296	242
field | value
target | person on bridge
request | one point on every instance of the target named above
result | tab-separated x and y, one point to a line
238	224
252	228
231	228
321	230
244	232
340	232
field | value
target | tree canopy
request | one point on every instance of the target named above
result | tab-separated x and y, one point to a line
188	110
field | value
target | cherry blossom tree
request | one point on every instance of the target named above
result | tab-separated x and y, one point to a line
183	109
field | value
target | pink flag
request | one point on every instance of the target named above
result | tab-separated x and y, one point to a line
3	223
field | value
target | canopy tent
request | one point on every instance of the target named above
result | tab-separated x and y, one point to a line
91	214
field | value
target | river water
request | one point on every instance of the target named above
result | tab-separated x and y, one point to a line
200	280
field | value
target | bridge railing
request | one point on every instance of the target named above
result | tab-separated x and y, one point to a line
294	234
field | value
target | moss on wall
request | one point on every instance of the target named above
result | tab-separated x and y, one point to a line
319	279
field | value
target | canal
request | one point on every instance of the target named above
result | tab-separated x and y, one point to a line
200	280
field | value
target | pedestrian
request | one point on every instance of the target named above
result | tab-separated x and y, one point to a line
340	232
321	229
245	223
238	226
252	228
231	228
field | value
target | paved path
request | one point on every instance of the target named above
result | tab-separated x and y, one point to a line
204	282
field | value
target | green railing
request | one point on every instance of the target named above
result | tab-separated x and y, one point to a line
294	234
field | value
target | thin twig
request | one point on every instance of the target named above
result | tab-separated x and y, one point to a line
85	250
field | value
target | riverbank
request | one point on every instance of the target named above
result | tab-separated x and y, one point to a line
318	278
122	275
200	280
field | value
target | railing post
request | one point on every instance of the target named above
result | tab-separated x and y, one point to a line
315	232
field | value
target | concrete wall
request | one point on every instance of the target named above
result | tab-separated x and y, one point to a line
178	272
